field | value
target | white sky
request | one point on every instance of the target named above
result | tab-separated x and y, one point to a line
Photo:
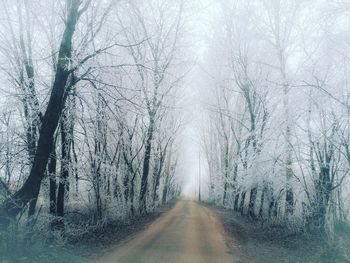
201	26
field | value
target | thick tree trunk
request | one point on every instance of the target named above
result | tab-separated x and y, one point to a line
157	175
126	184
165	194
252	201
167	179
65	162
241	205
31	142
273	206
129	183
317	221
146	166
155	188
30	189
262	202
289	200
225	193
235	206
32	206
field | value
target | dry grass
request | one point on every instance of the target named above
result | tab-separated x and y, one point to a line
259	242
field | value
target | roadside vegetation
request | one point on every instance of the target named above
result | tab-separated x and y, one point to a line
276	134
89	122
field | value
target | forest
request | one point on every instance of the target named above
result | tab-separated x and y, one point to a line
97	97
278	112
87	120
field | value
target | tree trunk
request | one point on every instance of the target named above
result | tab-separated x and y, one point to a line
96	172
30	189
235	206
75	168
241	205
165	194
289	200
157	175
146	166
167	179
317	221
261	209
273	207
225	193
226	171
52	177
65	162
252	201
132	195
32	206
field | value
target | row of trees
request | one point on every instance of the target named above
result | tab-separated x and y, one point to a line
277	139
89	118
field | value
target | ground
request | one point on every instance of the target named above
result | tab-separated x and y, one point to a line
257	241
82	248
191	232
188	233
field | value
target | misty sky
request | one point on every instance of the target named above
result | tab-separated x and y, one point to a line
201	27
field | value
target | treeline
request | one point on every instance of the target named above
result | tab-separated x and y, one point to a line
277	138
89	97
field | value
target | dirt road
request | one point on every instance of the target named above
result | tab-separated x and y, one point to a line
189	233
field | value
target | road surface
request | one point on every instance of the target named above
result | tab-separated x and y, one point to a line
189	233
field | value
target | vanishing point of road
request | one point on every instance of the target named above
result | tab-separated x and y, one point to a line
188	233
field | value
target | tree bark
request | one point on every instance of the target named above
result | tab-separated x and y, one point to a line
241	205
261	209
30	189
146	166
252	201
65	162
157	175
235	206
51	167
165	194
317	221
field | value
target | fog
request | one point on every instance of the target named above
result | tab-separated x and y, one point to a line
113	109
